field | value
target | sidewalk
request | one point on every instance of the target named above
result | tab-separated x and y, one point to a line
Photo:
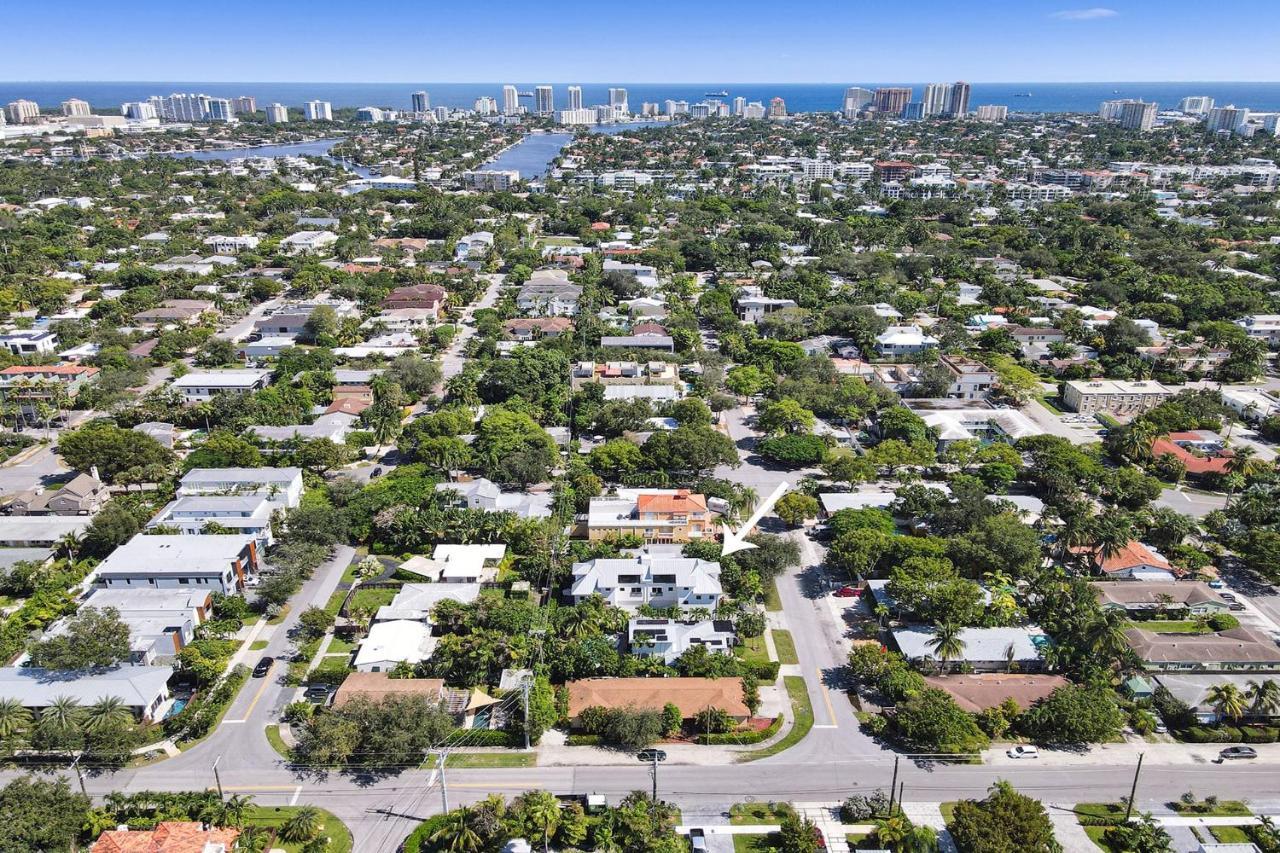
1068	831
1125	753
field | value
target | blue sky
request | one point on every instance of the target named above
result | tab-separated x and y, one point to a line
656	41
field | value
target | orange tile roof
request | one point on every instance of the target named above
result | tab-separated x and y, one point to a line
681	501
169	837
57	369
375	686
1195	464
1130	556
690	695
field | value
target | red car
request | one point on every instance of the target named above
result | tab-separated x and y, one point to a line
847	592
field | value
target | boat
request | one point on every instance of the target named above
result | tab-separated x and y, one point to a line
721	94
1022	94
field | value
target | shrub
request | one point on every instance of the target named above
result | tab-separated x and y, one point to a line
731	738
875	725
1223	622
861	808
583	740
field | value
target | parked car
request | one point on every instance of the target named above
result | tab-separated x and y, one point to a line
1217	584
1238	752
697	838
317	693
263	667
1161	729
1226	595
1023	752
253	581
847	592
1236	606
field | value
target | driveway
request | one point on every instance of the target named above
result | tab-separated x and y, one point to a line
1194	504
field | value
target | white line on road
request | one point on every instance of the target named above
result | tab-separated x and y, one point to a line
293	801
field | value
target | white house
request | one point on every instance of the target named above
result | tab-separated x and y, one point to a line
29	342
199	386
221	563
390	643
281	486
144	690
484	494
904	340
230	245
646	579
248	514
669	638
474	246
308	242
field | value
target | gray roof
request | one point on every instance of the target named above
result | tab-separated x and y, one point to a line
137	686
216	477
40	528
701	576
167	554
638	341
980	644
1194	688
417	600
1237	646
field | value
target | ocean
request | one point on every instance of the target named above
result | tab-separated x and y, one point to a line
799	97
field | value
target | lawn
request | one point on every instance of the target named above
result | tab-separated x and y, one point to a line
1051	403
339	645
1170	626
279	617
482	760
334	604
1101	835
772	601
785	645
752	651
274	816
757	843
801	715
277	742
258	645
948	810
1224	808
751	813
1230	835
369	600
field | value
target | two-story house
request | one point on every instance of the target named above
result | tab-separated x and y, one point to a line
629	582
656	515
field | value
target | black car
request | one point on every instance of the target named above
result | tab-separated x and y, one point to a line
1238	752
1236	606
263	667
317	693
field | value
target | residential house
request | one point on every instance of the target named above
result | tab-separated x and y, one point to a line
629	582
1253	406
753	305
979	691
307	242
1262	327
266	347
646	275
690	695
459	564
199	386
84	494
656	515
391	643
670	638
662	343
970	379
486	495
333	427
169	836
219	562
281	486
143	690
1239	649
533	328
984	649
981	424
474	246
1194	690
549	293
39	531
428	297
897	341
231	245
623	373
193	514
416	601
30	342
1025	335
1202	453
35	386
1134	561
1176	597
183	312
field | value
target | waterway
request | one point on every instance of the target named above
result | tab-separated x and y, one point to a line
316	148
532	156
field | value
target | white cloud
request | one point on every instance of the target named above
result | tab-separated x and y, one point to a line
1084	14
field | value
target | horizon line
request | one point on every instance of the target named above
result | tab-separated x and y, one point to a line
645	82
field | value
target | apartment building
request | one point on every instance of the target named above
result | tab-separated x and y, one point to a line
1107	395
656	515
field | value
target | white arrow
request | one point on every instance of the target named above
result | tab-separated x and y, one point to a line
735	541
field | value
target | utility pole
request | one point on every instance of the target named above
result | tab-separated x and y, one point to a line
893	786
525	686
654	771
75	765
217	778
444	785
901	786
1133	792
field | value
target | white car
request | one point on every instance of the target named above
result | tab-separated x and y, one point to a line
1023	752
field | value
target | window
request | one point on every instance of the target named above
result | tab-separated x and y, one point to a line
183	581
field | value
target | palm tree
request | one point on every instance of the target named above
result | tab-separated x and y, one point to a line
456	835
106	714
252	839
61	716
230	812
1264	698
1134	442
946	642
1105	635
1227	700
14	718
543	811
892	831
304	825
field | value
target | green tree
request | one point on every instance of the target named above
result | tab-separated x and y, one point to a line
303	825
92	639
794	507
946	643
1004	822
1227	700
1073	714
783	416
41	815
112	450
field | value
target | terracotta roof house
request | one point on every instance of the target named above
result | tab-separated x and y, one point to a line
170	836
378	685
690	695
1240	649
1141	596
1134	561
648	329
1200	457
531	328
976	692
427	296
185	311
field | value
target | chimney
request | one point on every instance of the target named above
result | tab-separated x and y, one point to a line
93	472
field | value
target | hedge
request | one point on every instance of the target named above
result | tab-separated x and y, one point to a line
422	835
765	671
487	737
730	738
583	740
1230	734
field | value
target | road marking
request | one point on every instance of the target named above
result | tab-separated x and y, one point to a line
821	726
826	697
266	682
258	788
232	722
297	792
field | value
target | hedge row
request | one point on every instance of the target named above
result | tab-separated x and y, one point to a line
1230	734
731	738
487	737
583	740
766	672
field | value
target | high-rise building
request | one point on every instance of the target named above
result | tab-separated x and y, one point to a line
185	107
890	101
544	100
753	110
1195	105
649	109
1112	110
278	114
777	108
1138	115
700	110
245	105
221	109
1228	118
138	110
618	98
510	100
575	97
937	97
3	120
318	111
23	111
958	107
75	107
421	102
582	115
486	106
441	113
913	111
992	112
371	115
739	105
857	99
